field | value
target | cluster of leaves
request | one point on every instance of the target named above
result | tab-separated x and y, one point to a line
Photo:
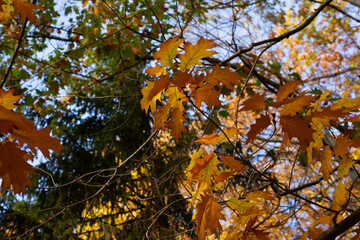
14	168
306	116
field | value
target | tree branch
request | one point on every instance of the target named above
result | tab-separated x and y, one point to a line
341	227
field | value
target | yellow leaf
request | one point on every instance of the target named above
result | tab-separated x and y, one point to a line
344	165
340	196
156	71
205	168
7	99
145	103
193	53
325	160
168	51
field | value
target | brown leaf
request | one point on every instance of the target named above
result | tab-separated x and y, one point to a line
232	163
261	123
224	76
145	102
40	139
25	9
14	168
205	93
159	85
176	124
294	126
256	102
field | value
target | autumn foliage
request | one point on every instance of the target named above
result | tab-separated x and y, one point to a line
179	119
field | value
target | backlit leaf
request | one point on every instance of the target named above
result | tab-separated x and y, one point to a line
14	168
168	51
7	99
325	160
261	123
256	102
285	90
224	76
40	139
193	53
207	216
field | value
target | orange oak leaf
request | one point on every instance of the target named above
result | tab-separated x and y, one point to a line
327	114
176	124
261	123
144	102
25	9
168	51
205	168
212	139
224	76
256	102
7	99
345	164
325	160
285	90
339	196
161	117
205	93
207	216
176	97
259	195
294	126
232	163
156	71
181	79
223	176
341	146
40	139
297	105
14	168
159	85
241	206
193	53
10	120
347	104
